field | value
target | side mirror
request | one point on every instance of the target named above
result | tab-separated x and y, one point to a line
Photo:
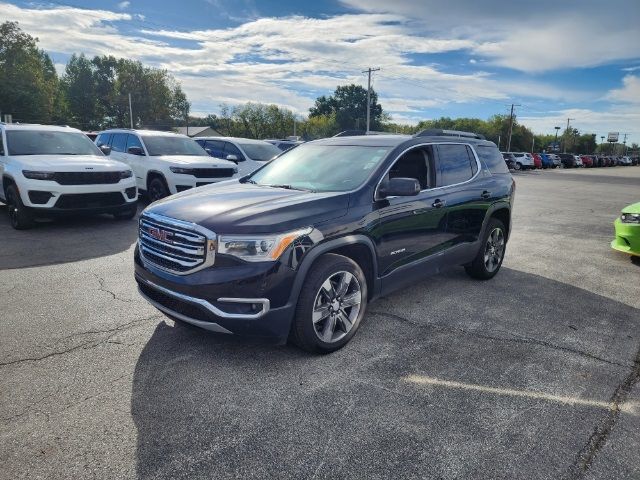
232	158
399	187
106	149
135	151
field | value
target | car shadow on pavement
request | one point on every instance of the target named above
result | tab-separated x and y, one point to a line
63	240
210	406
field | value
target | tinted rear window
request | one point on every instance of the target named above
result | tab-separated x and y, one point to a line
491	157
454	163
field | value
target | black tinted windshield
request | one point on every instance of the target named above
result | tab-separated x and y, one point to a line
259	151
322	168
158	145
49	142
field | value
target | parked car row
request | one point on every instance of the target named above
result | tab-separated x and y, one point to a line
529	161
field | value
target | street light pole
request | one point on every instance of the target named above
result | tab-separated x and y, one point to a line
555	144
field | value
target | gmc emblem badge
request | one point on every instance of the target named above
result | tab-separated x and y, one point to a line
161	235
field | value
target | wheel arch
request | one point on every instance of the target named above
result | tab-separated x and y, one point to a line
6	181
358	248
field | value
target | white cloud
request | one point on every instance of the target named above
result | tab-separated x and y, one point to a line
291	60
616	119
529	36
124	5
629	93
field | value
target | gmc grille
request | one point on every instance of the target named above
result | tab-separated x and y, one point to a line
173	245
86	178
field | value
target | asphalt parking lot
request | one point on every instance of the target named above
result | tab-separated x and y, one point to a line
534	374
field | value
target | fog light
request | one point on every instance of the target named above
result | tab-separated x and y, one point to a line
39	197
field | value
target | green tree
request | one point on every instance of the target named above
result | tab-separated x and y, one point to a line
28	80
349	104
319	126
79	89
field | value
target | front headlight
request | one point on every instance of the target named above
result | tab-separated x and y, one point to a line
630	218
126	174
259	248
33	175
185	171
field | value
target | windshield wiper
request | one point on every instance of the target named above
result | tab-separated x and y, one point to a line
248	180
290	187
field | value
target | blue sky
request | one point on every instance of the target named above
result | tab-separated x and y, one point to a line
438	58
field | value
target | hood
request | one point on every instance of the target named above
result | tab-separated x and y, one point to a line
233	207
69	163
196	161
633	208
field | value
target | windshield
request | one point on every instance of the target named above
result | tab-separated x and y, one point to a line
159	145
259	151
49	142
321	168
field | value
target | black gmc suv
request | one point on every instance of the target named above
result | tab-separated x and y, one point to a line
298	248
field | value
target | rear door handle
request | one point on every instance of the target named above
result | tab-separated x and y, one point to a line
438	203
486	194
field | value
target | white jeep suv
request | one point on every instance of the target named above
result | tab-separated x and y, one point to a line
247	153
49	170
164	163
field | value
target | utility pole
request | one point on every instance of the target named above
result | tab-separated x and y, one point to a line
565	142
511	125
130	112
624	142
499	141
533	143
368	71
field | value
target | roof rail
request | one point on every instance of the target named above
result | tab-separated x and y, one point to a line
438	132
358	133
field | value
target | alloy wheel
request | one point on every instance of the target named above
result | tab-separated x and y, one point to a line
156	192
336	306
494	250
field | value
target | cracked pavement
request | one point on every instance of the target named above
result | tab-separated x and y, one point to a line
534	374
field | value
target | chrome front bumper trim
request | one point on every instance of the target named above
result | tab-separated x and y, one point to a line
263	302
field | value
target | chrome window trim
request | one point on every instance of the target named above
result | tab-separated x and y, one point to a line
475	155
264	302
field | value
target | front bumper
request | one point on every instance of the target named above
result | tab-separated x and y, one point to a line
178	182
249	300
627	238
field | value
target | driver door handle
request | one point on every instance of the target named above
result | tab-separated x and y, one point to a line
438	203
486	194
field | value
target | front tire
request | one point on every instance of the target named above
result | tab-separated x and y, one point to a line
491	253
157	189
331	305
126	213
518	166
19	215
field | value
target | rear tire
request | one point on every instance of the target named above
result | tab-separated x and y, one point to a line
19	215
491	252
331	304
518	166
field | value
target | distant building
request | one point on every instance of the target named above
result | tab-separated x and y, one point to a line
199	131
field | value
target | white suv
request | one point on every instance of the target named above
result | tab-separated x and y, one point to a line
48	170
164	163
524	161
247	153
